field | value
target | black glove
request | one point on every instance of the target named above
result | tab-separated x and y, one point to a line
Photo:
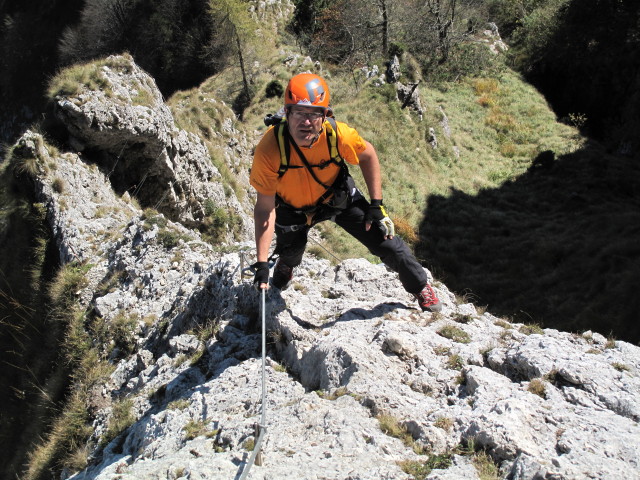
261	273
378	214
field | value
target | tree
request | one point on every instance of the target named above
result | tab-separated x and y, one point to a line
28	35
430	29
168	38
382	5
306	19
584	55
233	21
347	31
443	14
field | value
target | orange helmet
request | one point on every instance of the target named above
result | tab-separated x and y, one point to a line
307	89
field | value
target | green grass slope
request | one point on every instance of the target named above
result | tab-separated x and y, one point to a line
554	246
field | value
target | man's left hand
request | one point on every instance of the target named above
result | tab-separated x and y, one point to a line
378	214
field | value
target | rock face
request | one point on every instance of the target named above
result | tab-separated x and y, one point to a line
124	125
360	383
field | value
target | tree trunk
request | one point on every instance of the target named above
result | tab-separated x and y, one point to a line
245	81
385	27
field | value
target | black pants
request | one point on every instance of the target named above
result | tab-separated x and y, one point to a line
394	253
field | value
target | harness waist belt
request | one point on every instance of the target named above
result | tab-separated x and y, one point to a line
291	228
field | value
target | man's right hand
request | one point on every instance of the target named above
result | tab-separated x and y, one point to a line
261	274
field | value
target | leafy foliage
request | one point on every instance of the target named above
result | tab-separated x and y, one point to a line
585	56
171	40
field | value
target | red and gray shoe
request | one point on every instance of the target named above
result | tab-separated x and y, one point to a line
427	300
282	275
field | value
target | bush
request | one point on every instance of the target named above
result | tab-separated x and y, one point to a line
122	331
274	89
58	185
242	102
396	49
69	280
170	238
176	42
151	217
218	222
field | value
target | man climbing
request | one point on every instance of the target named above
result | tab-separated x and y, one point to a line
300	174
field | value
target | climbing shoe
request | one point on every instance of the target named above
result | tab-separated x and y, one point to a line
427	299
282	275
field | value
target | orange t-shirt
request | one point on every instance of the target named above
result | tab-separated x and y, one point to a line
297	187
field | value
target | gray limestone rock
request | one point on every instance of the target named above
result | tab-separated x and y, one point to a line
348	351
144	152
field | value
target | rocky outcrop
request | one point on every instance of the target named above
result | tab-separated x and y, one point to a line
121	122
360	383
491	36
348	354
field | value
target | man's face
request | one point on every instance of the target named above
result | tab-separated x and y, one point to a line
304	124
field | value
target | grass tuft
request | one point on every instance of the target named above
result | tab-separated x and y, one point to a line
454	333
121	418
537	387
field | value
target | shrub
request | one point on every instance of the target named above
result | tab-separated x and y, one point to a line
69	280
180	404
420	470
392	427
274	89
337	393
242	102
122	331
465	60
195	429
417	470
485	86
396	49
170	238
503	324
151	217
69	431
218	222
249	445
206	330
621	367
462	318
70	81
405	230
485	467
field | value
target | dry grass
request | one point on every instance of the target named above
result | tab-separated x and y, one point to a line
391	426
537	387
121	418
72	80
69	434
67	443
